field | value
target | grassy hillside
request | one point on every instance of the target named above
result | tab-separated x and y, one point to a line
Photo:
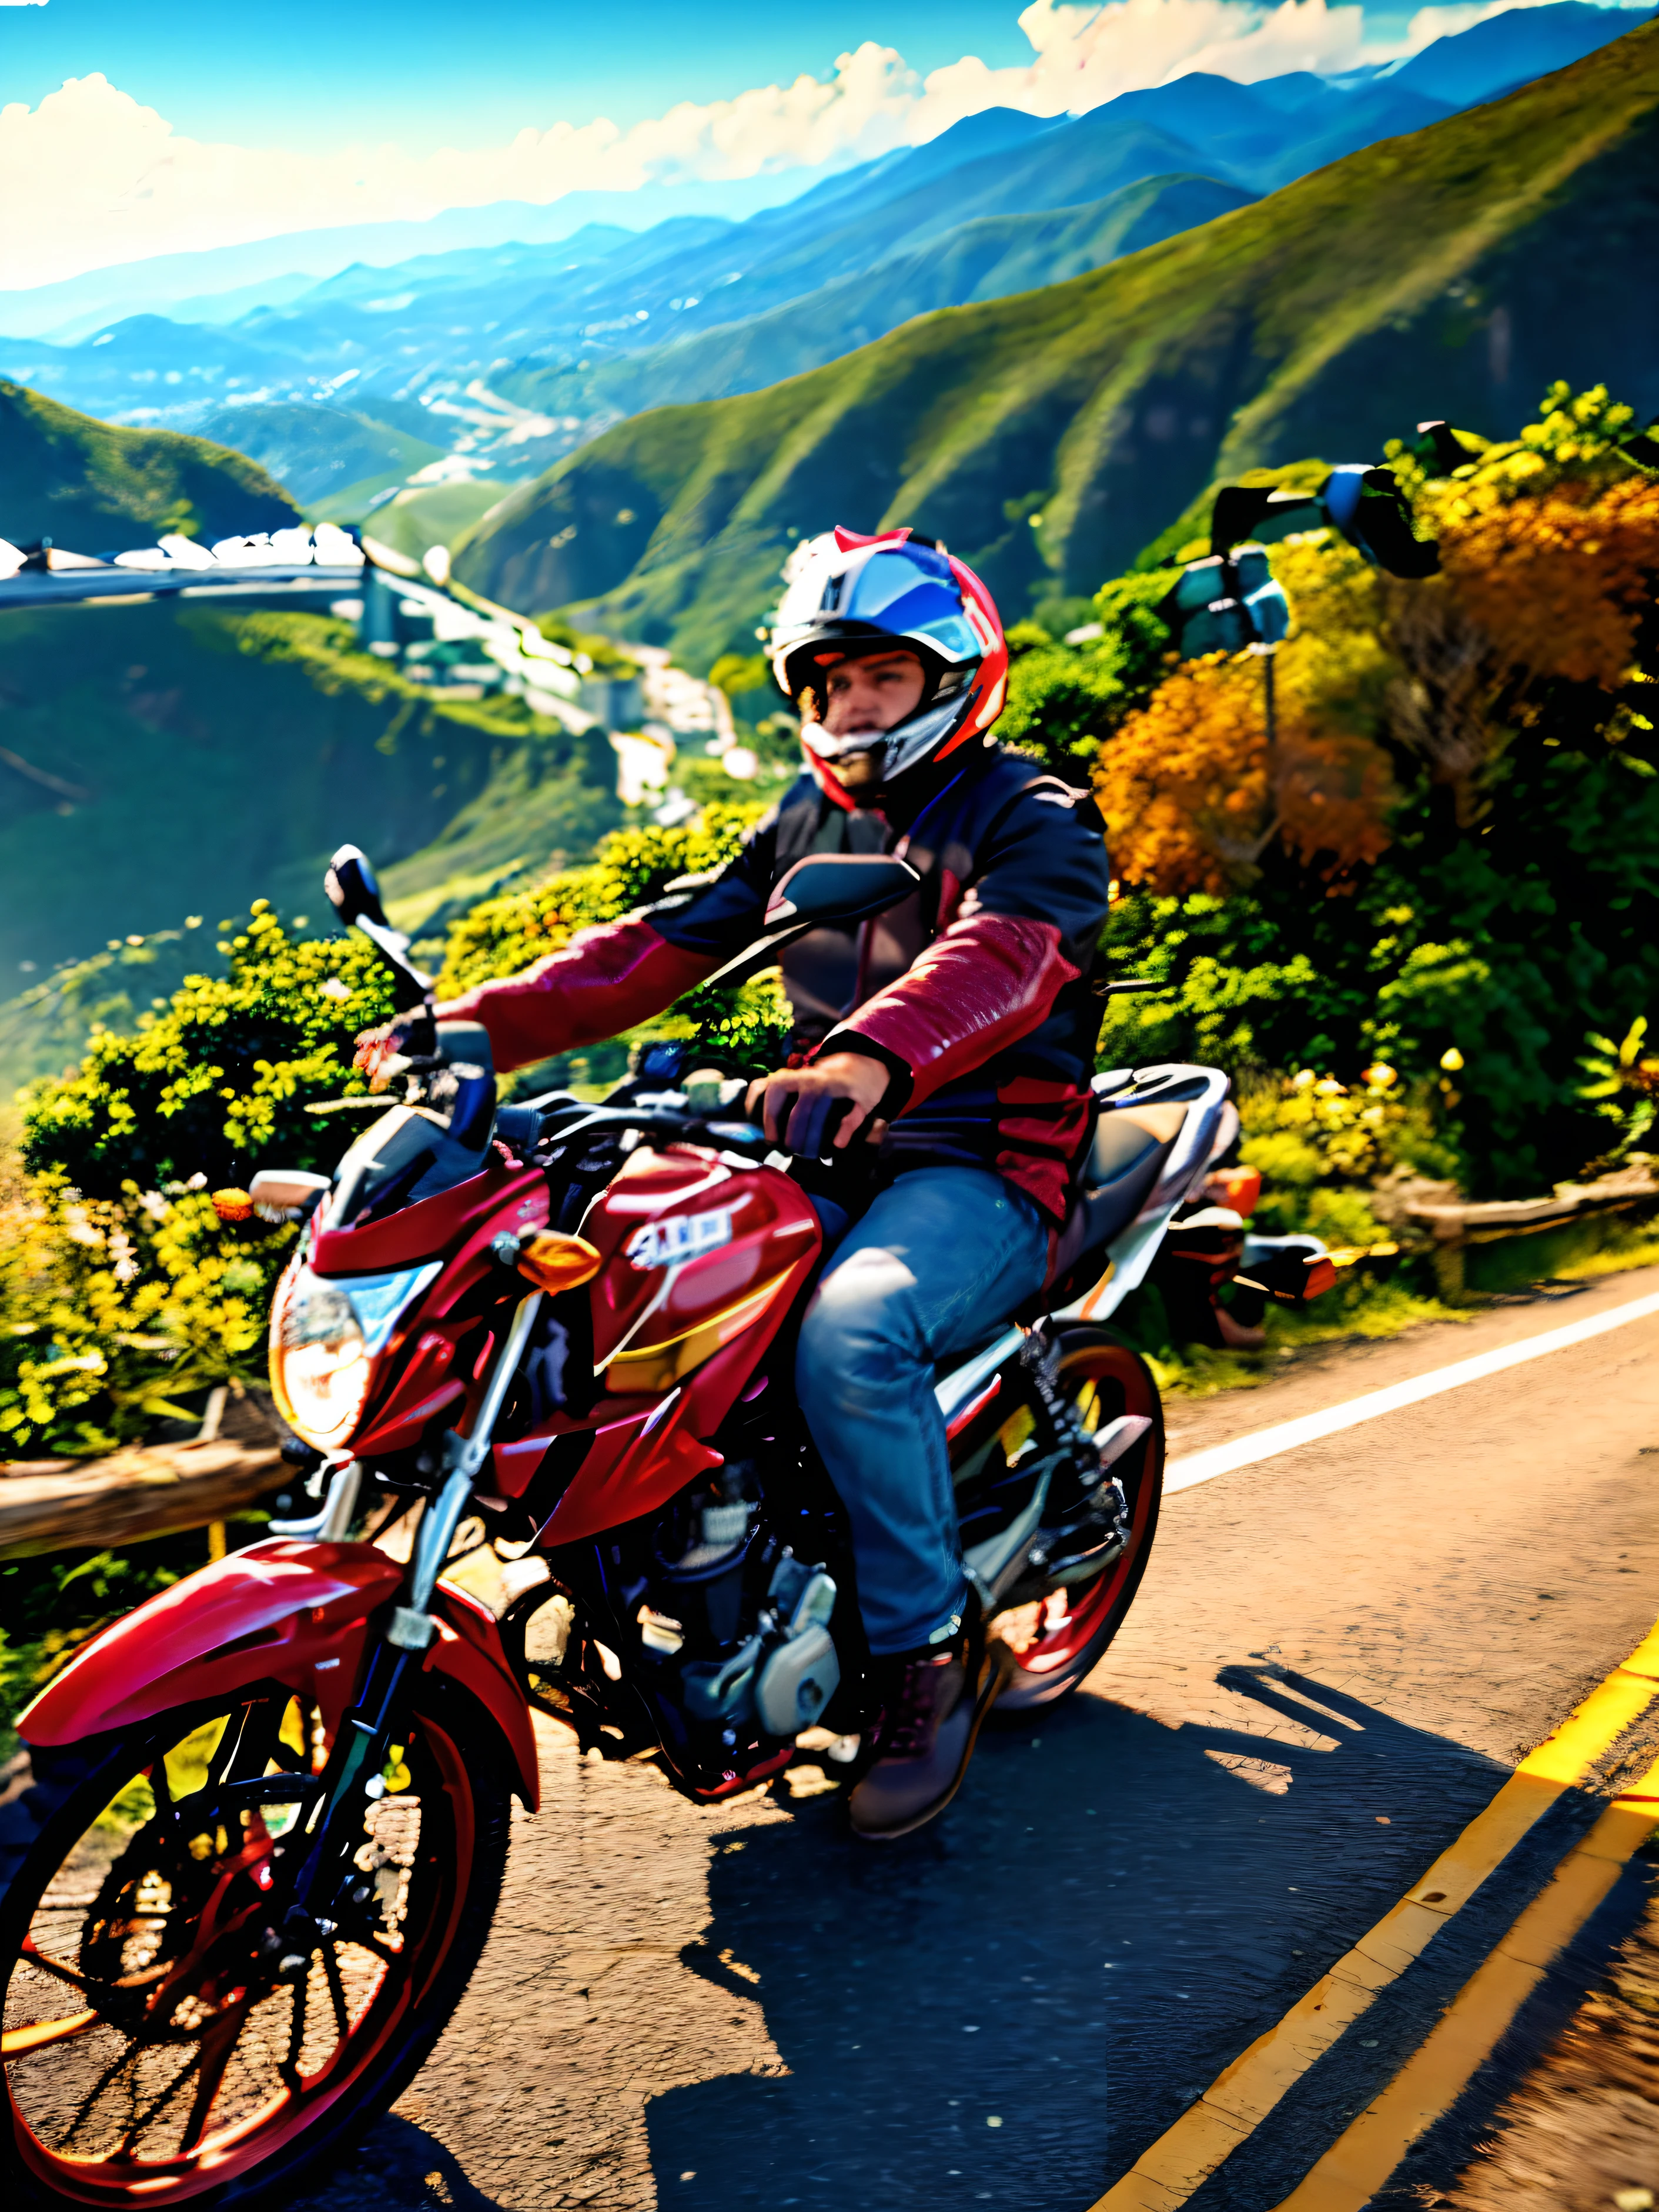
93	488
171	761
316	452
982	259
423	515
1454	272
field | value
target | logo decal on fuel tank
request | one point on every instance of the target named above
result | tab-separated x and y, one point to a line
681	1236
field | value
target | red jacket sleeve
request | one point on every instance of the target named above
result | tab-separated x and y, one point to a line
611	978
988	982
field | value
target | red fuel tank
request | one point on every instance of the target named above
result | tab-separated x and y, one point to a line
702	1261
696	1252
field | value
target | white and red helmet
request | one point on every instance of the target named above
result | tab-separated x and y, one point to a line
848	596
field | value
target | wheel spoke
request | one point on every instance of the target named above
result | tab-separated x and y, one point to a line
284	1789
16	2042
219	2039
336	1992
139	2120
31	1950
289	2069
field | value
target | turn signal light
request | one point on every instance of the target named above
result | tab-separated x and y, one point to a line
554	1261
1238	1187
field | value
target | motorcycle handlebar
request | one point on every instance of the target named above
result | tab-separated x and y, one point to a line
674	1126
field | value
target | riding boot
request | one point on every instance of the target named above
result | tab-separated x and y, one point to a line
932	1708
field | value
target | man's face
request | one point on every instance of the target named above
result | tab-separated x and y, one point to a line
874	695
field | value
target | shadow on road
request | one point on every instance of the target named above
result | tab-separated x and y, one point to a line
1010	2005
398	2168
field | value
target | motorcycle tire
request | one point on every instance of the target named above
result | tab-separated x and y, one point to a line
132	1867
1075	1626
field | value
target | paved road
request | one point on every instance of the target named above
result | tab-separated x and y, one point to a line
1336	1658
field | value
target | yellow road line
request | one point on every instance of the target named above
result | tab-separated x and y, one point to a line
1207	2133
1468	2031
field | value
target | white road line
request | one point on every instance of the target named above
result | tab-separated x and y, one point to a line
1266	1444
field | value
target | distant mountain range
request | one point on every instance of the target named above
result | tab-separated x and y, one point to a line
513	354
1048	436
1509	50
220	282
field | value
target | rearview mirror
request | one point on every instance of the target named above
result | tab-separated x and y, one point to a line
355	897
840	887
826	889
352	890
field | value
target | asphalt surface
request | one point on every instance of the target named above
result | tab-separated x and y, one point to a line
1336	1659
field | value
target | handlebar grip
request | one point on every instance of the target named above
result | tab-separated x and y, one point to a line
419	1036
812	1131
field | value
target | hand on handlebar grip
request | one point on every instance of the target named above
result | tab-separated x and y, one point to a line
384	1053
823	1107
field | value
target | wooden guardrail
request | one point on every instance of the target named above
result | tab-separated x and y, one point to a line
1461	1228
151	1490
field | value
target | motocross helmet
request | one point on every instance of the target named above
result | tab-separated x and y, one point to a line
848	596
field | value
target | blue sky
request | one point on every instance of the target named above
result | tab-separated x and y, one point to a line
309	72
306	73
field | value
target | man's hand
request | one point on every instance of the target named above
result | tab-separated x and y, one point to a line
377	1048
852	1077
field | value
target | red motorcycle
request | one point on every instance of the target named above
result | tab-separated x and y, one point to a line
251	1850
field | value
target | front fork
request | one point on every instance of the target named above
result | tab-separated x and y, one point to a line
365	1737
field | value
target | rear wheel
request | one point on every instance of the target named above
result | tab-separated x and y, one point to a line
162	2046
1061	1638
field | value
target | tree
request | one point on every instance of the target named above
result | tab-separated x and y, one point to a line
1456	846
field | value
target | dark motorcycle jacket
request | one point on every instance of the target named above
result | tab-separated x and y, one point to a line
973	993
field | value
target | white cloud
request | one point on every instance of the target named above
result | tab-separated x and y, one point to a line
1084	55
103	180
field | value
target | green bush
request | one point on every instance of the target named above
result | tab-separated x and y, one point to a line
121	1289
630	867
1064	700
220	1080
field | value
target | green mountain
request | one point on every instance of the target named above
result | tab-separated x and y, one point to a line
320	453
423	515
93	488
1049	435
162	760
979	260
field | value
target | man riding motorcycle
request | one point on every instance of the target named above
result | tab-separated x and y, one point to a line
957	1033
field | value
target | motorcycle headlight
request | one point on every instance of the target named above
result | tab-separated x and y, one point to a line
323	1338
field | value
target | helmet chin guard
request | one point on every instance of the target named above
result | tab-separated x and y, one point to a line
850	597
904	746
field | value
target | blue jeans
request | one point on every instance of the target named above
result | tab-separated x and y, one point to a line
941	1257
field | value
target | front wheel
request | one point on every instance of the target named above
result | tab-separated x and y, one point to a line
1061	1638
164	2044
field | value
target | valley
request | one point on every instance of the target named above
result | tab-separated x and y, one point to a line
493	357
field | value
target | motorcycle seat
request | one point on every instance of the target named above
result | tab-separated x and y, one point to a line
1124	1163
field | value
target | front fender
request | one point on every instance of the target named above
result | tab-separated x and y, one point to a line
286	1611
